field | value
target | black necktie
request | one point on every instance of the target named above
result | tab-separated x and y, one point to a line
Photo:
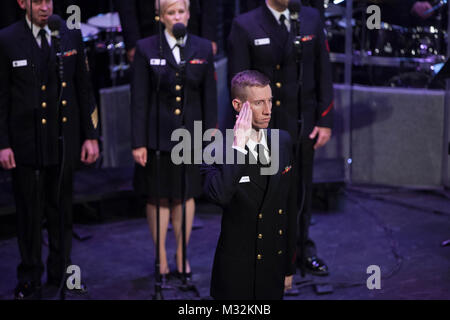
45	48
262	160
283	24
284	31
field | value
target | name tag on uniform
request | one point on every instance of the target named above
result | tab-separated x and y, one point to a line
262	42
20	63
158	62
244	179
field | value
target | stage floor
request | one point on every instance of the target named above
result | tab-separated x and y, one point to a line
399	231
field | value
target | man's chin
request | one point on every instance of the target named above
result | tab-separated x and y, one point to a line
42	22
261	125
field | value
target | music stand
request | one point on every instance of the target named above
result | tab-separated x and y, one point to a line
444	72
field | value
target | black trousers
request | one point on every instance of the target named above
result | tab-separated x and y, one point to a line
36	197
305	160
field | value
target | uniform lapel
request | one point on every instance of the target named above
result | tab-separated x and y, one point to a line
272	28
273	179
167	53
189	50
253	170
289	47
33	52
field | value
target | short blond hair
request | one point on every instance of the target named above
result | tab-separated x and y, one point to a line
245	79
167	3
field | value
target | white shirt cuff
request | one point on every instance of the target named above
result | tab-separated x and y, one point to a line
240	149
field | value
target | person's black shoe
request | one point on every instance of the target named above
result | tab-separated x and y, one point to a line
292	292
316	266
79	291
56	283
179	275
28	291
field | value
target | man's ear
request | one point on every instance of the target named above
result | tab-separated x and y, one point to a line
237	105
21	4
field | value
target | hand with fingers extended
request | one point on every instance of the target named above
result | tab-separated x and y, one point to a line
7	160
243	126
140	156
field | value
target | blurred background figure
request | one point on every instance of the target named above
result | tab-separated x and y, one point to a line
9	13
140	19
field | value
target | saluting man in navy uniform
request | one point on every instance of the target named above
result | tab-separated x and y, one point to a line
254	257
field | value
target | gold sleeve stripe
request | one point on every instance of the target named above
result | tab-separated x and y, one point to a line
94	118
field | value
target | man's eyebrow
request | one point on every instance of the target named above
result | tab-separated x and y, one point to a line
263	99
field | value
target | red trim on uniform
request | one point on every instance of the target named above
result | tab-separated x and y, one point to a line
328	109
327	45
215	129
215	75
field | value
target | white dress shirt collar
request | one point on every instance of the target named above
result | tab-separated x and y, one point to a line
277	16
251	144
36	30
172	45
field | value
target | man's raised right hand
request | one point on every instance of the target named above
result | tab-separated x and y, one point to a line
243	126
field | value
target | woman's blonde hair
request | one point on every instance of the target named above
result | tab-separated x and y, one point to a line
167	3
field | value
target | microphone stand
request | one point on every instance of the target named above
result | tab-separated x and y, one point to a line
298	47
186	282
158	279
37	140
56	41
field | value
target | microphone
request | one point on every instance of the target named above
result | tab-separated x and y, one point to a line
179	32
54	24
294	6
